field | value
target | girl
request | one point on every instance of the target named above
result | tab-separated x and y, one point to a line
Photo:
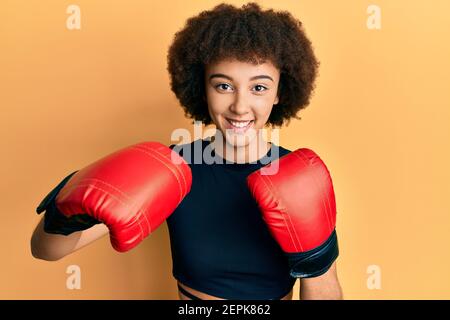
241	70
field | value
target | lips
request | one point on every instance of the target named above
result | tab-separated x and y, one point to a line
238	126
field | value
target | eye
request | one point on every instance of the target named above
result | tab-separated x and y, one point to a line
221	86
260	86
224	86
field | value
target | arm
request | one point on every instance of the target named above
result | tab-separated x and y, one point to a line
299	207
52	247
324	287
131	191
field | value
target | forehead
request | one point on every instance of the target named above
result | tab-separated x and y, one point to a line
236	68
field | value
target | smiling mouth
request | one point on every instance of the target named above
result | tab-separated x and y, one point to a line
239	126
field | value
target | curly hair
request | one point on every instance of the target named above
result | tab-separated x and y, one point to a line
247	35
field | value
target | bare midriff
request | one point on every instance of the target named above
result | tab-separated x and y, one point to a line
205	296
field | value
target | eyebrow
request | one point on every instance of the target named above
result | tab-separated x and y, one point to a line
221	75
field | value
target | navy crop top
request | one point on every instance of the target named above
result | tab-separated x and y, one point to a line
220	244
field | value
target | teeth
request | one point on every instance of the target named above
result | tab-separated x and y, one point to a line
239	124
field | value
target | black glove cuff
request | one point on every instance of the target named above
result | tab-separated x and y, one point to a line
57	223
315	262
52	195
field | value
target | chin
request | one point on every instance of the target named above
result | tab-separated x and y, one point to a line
240	140
238	143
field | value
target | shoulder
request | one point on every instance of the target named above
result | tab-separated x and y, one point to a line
191	151
277	151
282	150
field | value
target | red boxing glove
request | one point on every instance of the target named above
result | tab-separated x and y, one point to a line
131	191
298	206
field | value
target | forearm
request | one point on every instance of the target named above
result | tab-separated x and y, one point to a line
324	287
331	291
52	247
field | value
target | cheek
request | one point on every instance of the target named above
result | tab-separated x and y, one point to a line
263	112
216	104
212	107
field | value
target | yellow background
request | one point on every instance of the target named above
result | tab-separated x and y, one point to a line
379	119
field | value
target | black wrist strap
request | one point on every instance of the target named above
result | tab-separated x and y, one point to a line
315	262
52	195
57	223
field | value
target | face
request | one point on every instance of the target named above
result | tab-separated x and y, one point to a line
240	97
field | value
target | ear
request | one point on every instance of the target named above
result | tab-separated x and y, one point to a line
276	100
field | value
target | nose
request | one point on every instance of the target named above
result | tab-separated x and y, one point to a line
240	105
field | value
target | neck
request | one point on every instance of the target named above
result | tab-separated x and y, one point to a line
251	152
